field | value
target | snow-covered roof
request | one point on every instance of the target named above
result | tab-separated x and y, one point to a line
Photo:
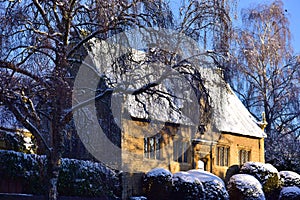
138	74
159	109
229	114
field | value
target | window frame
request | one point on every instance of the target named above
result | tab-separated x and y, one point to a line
222	156
152	147
244	156
181	150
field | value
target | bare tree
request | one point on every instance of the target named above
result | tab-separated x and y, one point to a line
265	75
43	42
39	38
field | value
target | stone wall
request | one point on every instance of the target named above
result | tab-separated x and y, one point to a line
235	144
133	155
135	162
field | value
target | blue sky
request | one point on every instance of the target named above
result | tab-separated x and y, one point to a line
293	10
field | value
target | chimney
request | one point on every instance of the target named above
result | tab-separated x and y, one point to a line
263	124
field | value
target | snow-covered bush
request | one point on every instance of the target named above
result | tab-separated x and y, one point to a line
246	187
86	178
266	174
290	193
28	167
289	178
157	184
77	177
214	187
138	198
232	170
187	187
13	141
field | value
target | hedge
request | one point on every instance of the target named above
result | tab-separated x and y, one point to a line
77	177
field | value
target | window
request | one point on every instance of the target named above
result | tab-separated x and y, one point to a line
152	147
244	156
180	151
222	155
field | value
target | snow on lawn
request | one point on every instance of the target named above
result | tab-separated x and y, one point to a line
246	187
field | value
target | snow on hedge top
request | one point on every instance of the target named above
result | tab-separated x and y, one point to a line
214	187
138	198
245	181
292	192
289	174
258	166
247	184
267	174
205	176
186	177
159	172
229	113
88	166
289	178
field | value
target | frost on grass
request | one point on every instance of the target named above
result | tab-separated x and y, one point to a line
246	187
187	187
290	193
289	178
157	183
266	174
214	187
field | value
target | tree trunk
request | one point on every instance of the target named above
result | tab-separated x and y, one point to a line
54	159
61	94
54	167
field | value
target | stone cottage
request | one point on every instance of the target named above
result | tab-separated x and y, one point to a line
232	138
152	135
